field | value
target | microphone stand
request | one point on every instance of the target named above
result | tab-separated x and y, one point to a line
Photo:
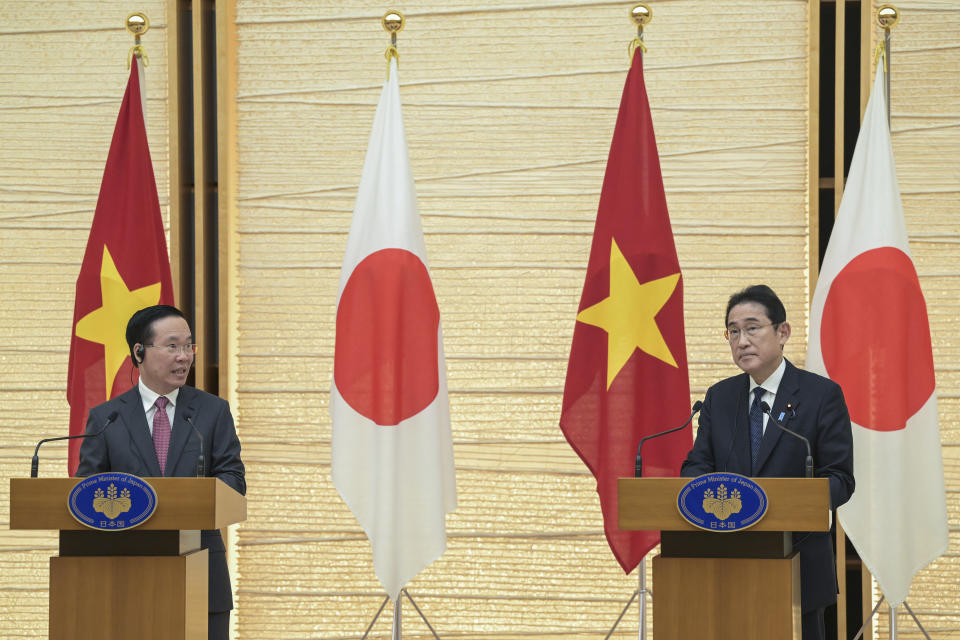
638	465
35	463
808	465
201	471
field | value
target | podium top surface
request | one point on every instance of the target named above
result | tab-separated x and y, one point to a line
182	504
793	504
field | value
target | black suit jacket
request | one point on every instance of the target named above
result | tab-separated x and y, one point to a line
127	446
819	414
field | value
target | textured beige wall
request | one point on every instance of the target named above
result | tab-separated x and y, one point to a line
509	109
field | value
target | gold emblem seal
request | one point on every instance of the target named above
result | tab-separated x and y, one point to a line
723	505
111	505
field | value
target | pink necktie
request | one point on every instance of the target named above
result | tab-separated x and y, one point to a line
161	432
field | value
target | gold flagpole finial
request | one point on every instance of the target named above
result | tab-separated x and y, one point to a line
393	22
137	24
640	15
888	16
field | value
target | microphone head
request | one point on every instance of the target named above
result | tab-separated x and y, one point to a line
113	416
764	407
697	406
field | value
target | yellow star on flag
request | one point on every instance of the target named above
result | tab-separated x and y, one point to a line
628	314
107	325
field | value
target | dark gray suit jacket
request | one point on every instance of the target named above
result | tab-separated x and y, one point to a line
820	415
127	446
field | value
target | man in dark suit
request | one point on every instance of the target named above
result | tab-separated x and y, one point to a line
734	434
152	434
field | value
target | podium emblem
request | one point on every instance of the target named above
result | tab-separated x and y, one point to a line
111	505
722	502
112	501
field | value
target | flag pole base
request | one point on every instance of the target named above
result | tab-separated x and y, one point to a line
644	593
397	633
893	621
397	621
915	620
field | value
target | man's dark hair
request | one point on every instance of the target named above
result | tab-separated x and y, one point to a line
762	295
140	326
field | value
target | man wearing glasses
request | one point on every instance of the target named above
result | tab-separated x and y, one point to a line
735	435
153	432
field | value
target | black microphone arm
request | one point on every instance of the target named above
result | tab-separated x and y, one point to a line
201	471
808	466
35	463
638	466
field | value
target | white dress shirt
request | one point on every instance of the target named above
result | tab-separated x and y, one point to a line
149	397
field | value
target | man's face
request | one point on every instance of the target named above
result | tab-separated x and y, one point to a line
161	370
758	354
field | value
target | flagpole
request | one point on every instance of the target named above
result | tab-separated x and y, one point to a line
138	24
642	592
397	621
893	622
887	16
393	22
641	15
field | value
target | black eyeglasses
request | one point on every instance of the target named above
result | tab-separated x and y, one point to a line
751	331
176	349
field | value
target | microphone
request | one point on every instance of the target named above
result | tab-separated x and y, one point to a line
638	466
35	463
808	467
200	465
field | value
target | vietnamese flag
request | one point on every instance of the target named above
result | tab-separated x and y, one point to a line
125	268
627	373
869	332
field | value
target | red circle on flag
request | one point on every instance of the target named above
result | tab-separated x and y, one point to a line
386	361
875	339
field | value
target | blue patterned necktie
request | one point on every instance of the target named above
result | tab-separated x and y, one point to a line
756	425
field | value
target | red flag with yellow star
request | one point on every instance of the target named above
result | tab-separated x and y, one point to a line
125	268
627	373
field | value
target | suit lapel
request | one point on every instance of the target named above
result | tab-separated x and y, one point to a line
135	421
786	393
181	430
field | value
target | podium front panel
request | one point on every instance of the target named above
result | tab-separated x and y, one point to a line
726	598
147	598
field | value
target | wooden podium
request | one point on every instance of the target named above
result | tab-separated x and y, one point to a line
724	586
146	583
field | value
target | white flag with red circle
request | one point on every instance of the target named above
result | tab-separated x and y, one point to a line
870	333
392	458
